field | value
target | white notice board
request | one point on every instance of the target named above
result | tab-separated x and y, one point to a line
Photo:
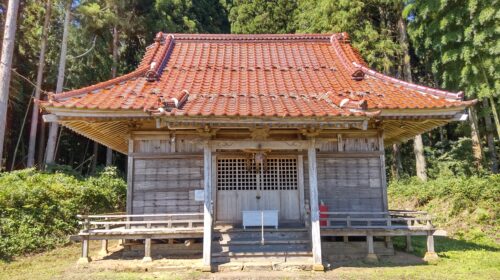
199	195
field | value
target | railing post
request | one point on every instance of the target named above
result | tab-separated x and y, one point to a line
104	243
371	256
430	255
147	247
85	259
409	246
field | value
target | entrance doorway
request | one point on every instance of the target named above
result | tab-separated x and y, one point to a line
243	185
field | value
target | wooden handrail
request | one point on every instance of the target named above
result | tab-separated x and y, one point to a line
133	222
390	219
137	215
144	222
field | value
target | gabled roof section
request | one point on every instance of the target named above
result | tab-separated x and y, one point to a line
288	75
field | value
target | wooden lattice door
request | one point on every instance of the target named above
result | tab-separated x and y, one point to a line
241	185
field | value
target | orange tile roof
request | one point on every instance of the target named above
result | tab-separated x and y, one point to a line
254	75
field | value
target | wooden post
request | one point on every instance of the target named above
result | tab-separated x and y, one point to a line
207	209
383	178
409	247
388	243
313	193
147	248
104	243
371	256
430	255
85	259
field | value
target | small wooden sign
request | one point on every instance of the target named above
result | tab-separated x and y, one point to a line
199	195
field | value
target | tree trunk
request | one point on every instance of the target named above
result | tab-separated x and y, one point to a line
495	115
476	142
418	143
94	160
6	67
490	137
54	127
114	69
396	162
418	149
39	80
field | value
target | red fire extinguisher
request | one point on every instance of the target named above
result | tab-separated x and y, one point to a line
322	214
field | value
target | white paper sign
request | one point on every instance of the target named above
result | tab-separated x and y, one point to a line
199	195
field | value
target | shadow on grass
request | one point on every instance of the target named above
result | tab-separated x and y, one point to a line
415	258
442	245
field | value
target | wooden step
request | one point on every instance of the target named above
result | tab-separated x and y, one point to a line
267	242
262	254
256	235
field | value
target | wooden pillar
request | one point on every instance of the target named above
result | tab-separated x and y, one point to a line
147	248
313	193
147	251
430	255
104	243
85	259
104	248
409	247
207	208
388	243
371	256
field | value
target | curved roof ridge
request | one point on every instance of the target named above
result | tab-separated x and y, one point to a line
458	96
251	37
353	62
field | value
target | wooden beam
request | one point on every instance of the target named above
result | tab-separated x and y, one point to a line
250	144
313	193
383	179
48	118
207	208
130	177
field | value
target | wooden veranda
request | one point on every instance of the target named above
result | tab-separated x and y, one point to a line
190	226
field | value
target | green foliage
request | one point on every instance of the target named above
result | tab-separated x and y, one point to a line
461	41
190	16
371	25
38	210
451	159
262	16
460	204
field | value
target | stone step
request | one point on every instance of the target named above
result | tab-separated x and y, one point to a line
224	257
257	235
258	248
258	242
